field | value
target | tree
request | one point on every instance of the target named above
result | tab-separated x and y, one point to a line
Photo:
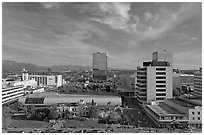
53	112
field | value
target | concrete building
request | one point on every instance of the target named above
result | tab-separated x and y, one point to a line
180	80
179	110
12	93
26	83
49	98
24	75
198	83
99	67
154	80
33	90
195	117
163	56
47	80
125	85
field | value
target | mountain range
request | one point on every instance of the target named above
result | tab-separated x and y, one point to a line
14	67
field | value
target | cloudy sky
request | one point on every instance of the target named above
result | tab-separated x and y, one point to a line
68	33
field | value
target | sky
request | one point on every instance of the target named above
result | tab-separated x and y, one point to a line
68	33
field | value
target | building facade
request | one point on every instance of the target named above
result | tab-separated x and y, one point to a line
12	93
99	66
180	80
198	83
47	80
154	80
179	110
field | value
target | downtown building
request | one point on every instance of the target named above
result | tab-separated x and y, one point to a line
43	80
99	67
198	83
154	78
12	93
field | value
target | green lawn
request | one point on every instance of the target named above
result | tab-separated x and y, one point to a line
28	124
84	124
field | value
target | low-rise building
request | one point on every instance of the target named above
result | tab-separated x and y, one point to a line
12	93
181	110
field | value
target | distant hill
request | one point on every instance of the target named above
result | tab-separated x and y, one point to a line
14	67
69	67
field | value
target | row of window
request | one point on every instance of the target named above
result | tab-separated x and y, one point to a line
159	86
160	69
194	118
160	77
20	94
160	90
34	100
160	94
10	89
160	73
194	113
160	81
12	92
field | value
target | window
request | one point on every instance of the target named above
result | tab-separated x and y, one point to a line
161	69
161	77
193	118
198	113
160	94
193	113
160	90
162	118
160	98
160	85
198	118
160	73
160	81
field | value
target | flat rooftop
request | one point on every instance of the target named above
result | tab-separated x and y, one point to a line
163	109
182	103
55	94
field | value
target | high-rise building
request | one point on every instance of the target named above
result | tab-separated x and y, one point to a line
163	56
154	81
99	66
198	83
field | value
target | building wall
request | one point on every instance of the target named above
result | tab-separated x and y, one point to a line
99	61
163	56
12	93
99	66
159	88
195	117
47	80
32	83
198	83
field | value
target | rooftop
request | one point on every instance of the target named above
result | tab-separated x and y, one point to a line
162	109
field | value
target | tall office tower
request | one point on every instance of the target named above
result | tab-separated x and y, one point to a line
154	81
198	83
99	67
163	56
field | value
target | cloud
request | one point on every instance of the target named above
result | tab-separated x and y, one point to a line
148	16
50	5
153	26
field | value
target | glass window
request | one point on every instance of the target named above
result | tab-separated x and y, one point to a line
198	113
193	113
198	118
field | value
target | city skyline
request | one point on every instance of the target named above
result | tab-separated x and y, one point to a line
68	33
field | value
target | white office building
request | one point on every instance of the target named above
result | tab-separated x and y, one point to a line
47	80
154	81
